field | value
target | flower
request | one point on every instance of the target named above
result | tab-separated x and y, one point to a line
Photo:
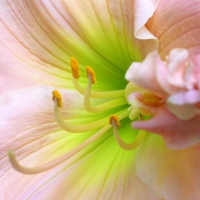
38	39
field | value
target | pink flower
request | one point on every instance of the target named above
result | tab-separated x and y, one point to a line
74	152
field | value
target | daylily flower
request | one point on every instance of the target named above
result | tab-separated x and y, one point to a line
67	148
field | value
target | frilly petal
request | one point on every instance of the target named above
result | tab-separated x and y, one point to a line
145	74
183	104
177	63
177	133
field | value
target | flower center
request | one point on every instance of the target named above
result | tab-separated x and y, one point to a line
114	101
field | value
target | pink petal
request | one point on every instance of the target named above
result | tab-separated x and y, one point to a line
178	134
182	104
173	174
176	25
195	60
182	112
184	97
144	74
176	64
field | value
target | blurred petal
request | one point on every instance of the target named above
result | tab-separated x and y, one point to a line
176	25
156	69
174	175
177	133
182	104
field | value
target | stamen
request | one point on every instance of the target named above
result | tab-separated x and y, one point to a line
114	120
134	112
77	128
63	158
75	68
81	127
128	146
57	97
91	75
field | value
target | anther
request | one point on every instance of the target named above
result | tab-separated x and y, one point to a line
75	68
91	75
114	121
57	97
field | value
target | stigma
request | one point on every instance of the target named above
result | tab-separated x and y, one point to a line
114	102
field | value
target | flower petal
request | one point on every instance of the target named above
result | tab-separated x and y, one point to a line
176	25
177	63
145	74
40	36
178	134
182	104
174	175
143	11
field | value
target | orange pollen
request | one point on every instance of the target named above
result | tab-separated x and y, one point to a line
115	120
151	99
91	74
57	95
75	68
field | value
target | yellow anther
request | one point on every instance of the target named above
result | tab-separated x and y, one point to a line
91	74
115	120
75	68
151	99
57	95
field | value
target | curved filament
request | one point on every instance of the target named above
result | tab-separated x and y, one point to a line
128	146
58	161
